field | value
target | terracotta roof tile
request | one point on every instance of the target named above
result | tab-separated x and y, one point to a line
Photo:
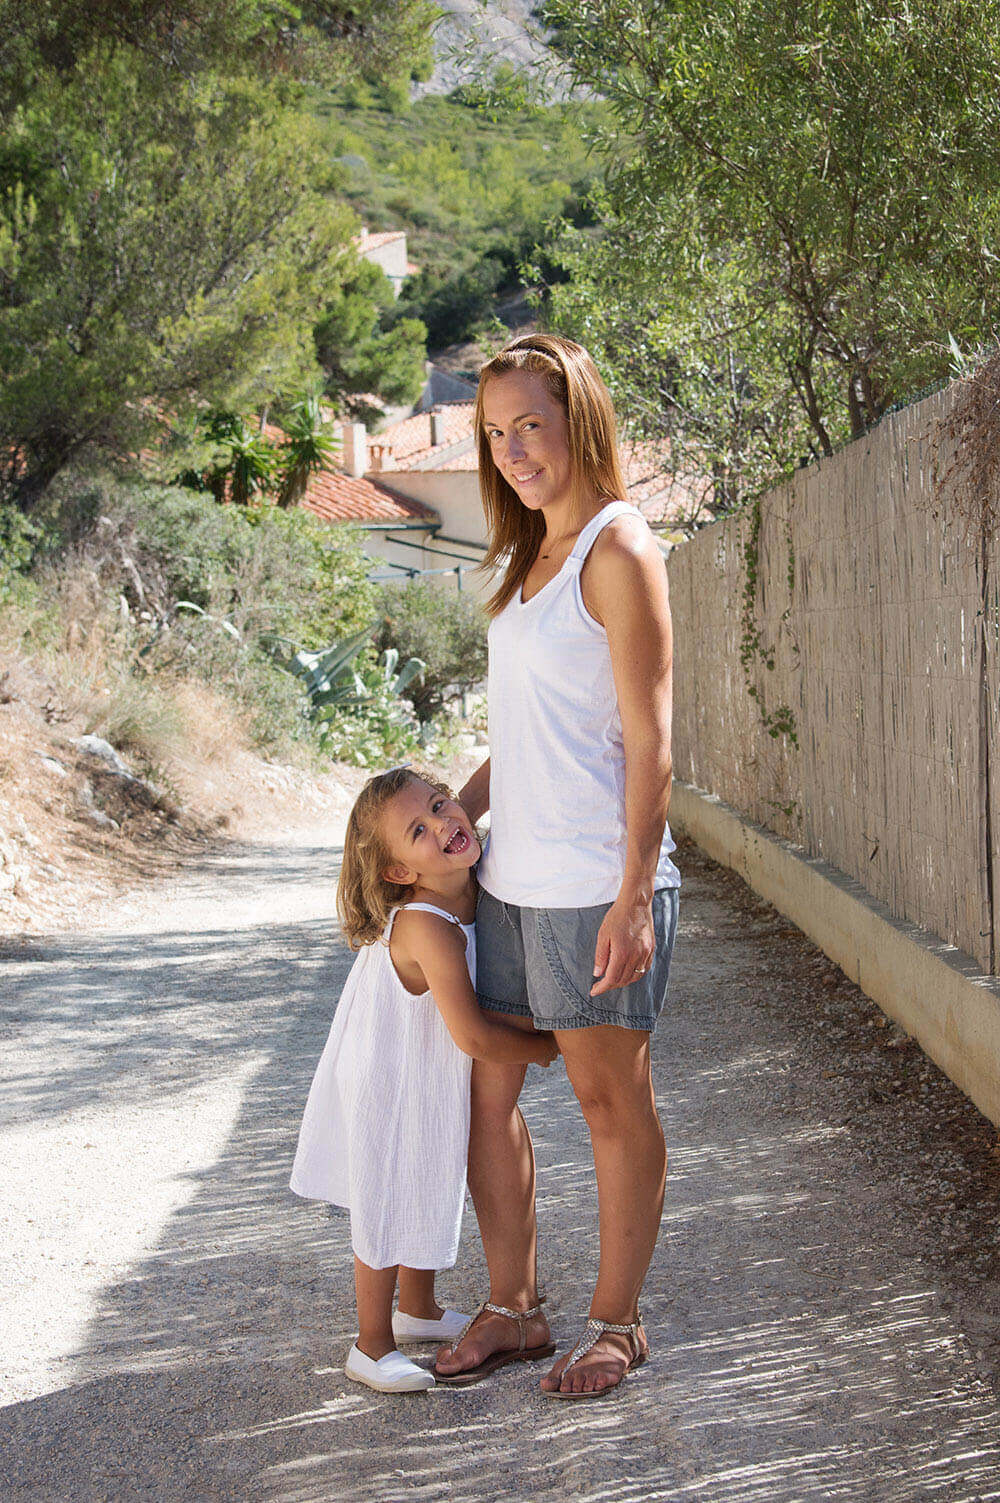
337	497
660	495
371	241
468	459
407	444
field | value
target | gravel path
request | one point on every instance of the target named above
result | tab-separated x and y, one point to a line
822	1306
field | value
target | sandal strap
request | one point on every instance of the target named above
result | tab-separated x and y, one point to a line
521	1316
592	1333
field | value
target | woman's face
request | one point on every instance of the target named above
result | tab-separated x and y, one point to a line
528	434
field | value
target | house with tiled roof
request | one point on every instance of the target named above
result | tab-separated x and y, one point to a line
387	249
432	459
414	488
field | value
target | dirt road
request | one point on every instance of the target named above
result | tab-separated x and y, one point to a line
822	1306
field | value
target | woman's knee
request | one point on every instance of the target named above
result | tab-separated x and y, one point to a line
495	1091
615	1108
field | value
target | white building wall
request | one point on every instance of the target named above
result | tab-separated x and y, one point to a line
391	256
394	550
453	494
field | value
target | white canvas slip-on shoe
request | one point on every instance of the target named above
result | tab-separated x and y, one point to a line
411	1328
392	1373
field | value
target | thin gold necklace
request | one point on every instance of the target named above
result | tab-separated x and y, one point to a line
567	536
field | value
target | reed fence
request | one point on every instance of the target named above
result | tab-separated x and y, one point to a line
870	634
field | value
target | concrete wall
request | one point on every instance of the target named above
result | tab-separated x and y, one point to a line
453	494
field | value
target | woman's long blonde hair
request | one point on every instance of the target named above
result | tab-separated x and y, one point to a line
365	897
573	379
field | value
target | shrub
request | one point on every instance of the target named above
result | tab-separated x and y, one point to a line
19	540
446	630
150	585
262	568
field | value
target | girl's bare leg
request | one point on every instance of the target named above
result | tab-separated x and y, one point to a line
416	1293
374	1288
502	1182
609	1071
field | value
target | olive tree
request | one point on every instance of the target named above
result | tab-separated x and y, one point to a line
801	204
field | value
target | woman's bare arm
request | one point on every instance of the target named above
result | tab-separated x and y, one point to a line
475	796
625	588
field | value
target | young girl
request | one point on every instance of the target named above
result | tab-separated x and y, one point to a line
386	1126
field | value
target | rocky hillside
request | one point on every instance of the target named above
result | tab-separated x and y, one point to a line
472	33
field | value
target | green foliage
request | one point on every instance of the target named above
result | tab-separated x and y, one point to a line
169	226
452	307
446	631
362	349
182	588
685	361
328	676
250	463
500	93
157	251
800	207
781	720
240	464
465	187
356	702
308	448
327	40
19	540
378	729
261	569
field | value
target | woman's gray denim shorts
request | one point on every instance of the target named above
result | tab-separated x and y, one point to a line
538	963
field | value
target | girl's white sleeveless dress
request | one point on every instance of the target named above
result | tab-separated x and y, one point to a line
386	1124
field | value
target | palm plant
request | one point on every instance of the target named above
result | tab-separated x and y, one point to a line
251	466
245	462
308	448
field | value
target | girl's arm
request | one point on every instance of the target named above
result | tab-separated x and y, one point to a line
438	949
625	588
475	796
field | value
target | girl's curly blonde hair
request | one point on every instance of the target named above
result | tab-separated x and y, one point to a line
365	897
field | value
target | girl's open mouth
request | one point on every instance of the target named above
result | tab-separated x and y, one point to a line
458	843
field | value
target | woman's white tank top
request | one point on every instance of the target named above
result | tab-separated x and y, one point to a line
557	764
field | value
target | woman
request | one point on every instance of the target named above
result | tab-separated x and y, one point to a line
578	906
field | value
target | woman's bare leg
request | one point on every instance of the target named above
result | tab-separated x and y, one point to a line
416	1293
502	1182
609	1071
374	1288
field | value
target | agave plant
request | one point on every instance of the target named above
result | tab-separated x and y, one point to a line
330	677
401	681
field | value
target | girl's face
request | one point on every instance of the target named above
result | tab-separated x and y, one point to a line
528	433
427	834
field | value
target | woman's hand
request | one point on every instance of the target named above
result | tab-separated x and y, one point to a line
626	944
548	1048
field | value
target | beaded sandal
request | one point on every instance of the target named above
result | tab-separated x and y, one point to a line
497	1359
592	1333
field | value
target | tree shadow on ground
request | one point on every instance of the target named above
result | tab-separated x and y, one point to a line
800	1352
